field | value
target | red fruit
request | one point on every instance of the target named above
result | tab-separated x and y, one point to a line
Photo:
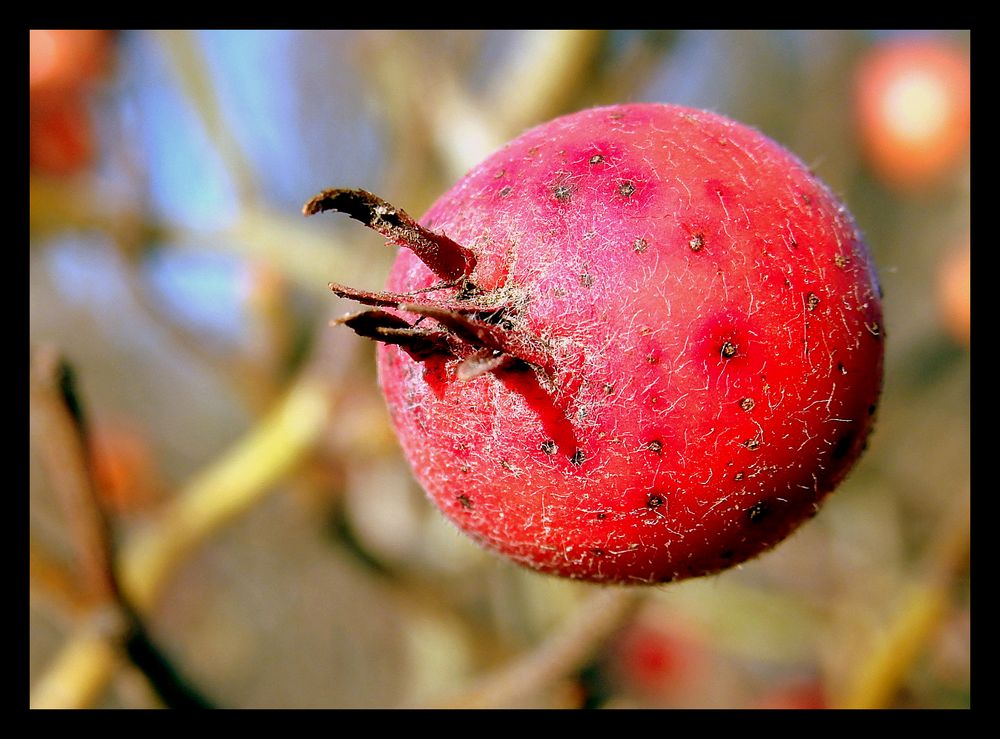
657	349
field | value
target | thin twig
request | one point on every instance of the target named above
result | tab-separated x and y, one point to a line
568	649
448	117
53	580
79	674
194	77
924	604
58	434
308	254
230	486
107	622
543	78
272	328
253	384
540	81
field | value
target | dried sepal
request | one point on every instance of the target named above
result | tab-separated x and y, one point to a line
487	335
481	362
383	299
446	259
388	328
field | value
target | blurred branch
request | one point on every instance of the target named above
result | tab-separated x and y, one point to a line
255	385
79	674
309	256
625	77
564	652
93	655
442	119
299	250
925	602
543	78
58	435
51	578
227	488
235	482
195	77
271	329
79	203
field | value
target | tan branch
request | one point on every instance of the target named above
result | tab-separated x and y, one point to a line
568	649
227	488
924	604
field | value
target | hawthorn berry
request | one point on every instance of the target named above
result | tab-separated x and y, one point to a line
638	343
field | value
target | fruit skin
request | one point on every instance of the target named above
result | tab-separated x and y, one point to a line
709	327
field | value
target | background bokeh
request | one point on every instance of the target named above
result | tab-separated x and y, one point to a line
265	525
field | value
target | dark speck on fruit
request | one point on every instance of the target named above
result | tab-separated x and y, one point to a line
757	512
562	193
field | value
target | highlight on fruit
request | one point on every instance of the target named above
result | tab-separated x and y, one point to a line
639	343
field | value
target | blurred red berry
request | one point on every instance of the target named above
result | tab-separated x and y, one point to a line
805	695
953	291
61	140
123	465
656	662
913	100
63	59
63	65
